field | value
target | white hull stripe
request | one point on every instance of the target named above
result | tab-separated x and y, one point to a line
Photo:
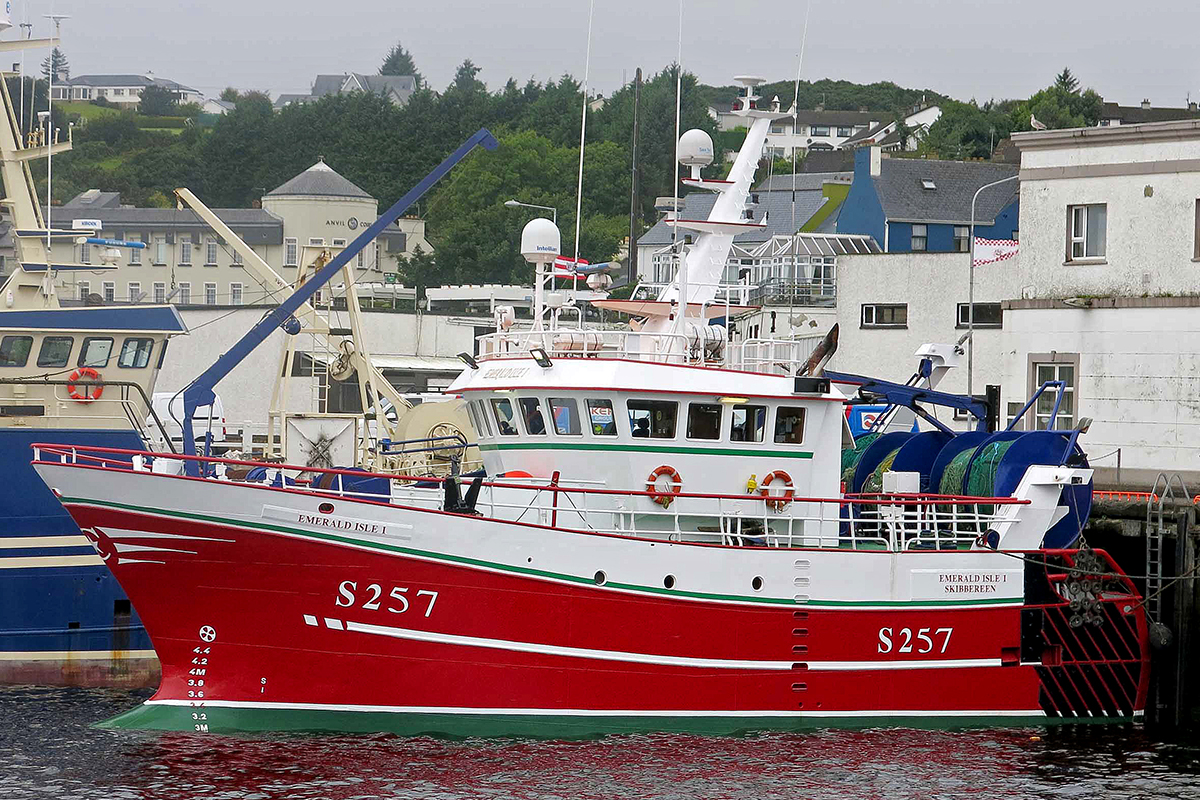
20	542
648	658
28	562
74	655
590	712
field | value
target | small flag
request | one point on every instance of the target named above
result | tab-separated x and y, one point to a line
565	266
989	251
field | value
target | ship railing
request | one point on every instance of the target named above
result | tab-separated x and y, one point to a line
123	404
579	342
892	522
785	356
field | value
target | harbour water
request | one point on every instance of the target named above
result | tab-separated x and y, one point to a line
48	750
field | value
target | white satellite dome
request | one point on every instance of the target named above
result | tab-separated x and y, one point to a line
541	242
695	148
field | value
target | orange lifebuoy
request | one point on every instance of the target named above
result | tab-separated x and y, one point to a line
777	502
675	483
92	388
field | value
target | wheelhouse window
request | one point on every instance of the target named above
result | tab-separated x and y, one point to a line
704	421
920	238
482	424
56	351
565	413
1087	231
531	412
885	315
652	419
14	350
506	421
987	315
95	352
135	353
789	425
600	413
749	423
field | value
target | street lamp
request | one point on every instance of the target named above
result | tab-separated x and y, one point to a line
971	286
519	204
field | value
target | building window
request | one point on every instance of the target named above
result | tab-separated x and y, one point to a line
85	288
160	293
885	315
160	251
291	255
117	92
315	241
962	239
237	258
920	238
185	252
110	291
820	130
844	131
210	294
85	253
185	293
135	253
1016	235
777	128
362	257
1087	229
210	252
987	315
1044	408
378	264
135	289
339	242
235	294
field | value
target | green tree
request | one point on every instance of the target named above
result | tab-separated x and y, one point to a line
1056	107
400	62
158	101
1066	81
230	94
62	70
966	130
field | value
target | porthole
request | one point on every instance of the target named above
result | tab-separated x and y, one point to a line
669	581
325	508
757	583
600	578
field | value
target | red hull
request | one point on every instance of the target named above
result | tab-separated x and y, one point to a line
246	618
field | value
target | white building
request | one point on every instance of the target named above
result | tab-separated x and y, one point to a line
397	88
186	261
122	90
818	129
888	136
1108	295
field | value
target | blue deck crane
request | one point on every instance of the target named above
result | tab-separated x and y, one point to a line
200	391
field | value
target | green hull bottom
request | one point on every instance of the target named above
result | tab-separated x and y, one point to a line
263	720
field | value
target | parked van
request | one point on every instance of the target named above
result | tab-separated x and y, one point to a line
169	408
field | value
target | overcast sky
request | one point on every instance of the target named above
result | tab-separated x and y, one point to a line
963	48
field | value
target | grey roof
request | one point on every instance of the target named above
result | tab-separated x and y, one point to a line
903	196
402	86
1131	115
329	84
804	181
285	99
94	198
320	180
777	206
870	133
844	118
228	105
823	161
127	80
254	225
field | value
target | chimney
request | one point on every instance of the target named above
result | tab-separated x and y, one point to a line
876	162
1146	103
1192	105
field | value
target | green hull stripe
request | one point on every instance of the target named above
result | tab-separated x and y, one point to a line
250	720
638	448
529	570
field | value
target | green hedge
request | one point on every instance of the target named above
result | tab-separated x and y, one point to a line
161	122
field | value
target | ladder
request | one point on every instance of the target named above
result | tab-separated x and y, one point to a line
1157	504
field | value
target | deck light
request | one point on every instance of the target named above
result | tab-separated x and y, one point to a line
469	360
734	401
540	356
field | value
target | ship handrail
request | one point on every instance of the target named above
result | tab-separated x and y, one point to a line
125	386
875	499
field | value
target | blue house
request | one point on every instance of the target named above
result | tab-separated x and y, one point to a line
913	205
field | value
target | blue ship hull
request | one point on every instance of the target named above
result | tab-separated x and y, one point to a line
63	618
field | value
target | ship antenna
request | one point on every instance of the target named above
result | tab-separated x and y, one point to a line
57	20
587	63
795	133
682	262
27	29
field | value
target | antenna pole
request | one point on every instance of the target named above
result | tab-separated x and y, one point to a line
634	210
795	133
683	287
587	63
